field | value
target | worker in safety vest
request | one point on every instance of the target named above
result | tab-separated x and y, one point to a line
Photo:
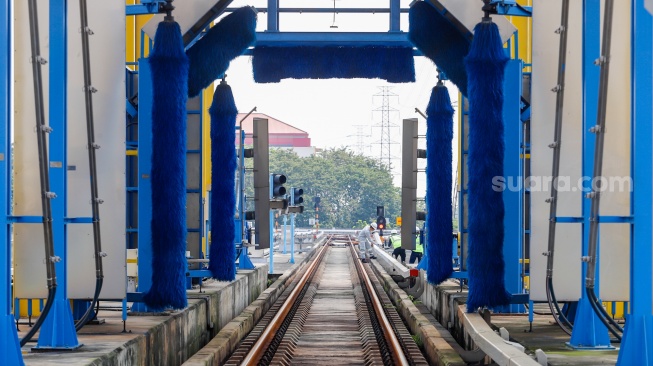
365	242
419	249
398	251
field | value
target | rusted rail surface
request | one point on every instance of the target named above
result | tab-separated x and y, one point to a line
332	315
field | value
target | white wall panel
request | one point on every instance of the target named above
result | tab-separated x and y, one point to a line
29	252
614	238
107	20
615	201
567	269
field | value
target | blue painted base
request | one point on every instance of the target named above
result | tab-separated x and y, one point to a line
9	344
243	260
637	342
58	329
589	332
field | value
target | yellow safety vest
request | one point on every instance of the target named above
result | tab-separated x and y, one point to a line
418	246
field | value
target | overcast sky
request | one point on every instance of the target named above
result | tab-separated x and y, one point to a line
330	110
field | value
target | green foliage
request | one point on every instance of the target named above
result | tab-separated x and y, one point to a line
418	340
350	186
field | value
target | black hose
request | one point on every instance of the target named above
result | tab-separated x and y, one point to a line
560	318
556	146
44	175
92	162
41	319
595	195
598	309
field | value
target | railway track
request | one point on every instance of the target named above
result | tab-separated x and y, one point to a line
334	313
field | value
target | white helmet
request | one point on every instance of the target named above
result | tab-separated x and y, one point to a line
373	225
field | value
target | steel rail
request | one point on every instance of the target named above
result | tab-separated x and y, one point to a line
258	350
390	336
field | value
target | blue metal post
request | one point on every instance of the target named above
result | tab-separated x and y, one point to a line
285	220
58	329
144	182
514	190
9	344
273	15
271	215
292	238
395	16
243	259
636	345
589	331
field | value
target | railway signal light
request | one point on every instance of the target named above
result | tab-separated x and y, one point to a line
296	196
380	223
278	190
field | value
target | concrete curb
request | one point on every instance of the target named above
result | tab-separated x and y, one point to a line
491	343
434	337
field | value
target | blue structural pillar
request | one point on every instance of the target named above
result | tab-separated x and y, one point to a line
514	191
292	238
395	16
637	345
58	329
273	16
589	331
9	344
285	221
144	181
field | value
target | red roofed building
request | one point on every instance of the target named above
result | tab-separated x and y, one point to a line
281	134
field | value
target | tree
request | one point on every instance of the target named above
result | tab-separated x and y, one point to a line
349	185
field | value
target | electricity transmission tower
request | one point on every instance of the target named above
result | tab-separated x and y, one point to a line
361	137
385	116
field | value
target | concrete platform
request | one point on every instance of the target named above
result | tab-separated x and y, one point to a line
167	339
446	304
164	339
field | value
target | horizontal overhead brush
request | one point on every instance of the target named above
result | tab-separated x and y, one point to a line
393	64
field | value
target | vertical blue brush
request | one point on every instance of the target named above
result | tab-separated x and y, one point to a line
170	89
439	136
223	169
485	67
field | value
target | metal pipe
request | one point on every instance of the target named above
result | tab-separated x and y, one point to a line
595	194
327	10
92	163
44	174
556	146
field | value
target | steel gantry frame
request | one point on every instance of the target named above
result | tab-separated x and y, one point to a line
9	344
636	346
